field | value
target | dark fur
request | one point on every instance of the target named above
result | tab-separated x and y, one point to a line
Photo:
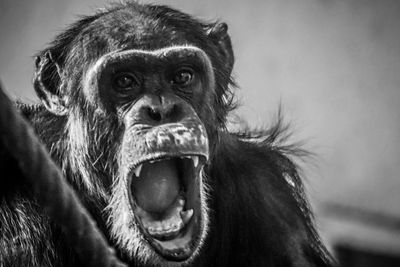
257	217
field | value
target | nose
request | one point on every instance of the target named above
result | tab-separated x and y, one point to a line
168	109
163	114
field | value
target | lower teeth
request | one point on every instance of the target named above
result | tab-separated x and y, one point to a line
170	230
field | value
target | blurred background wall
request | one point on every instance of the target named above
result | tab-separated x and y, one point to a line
333	64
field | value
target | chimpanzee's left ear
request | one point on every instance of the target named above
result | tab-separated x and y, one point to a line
47	81
219	33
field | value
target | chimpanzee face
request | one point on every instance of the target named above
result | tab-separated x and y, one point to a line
158	204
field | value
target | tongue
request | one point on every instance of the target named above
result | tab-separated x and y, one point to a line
157	187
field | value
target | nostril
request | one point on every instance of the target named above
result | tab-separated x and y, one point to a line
154	114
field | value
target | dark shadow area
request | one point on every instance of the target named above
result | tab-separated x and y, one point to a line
356	257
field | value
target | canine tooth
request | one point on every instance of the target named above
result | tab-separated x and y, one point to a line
138	170
186	215
195	161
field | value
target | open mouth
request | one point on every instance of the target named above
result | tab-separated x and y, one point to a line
165	197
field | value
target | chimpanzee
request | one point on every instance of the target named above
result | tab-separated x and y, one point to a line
134	101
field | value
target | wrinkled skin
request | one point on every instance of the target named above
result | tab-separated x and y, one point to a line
133	109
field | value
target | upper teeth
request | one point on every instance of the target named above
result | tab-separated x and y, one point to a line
138	169
195	159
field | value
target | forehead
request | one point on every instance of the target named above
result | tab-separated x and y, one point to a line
145	29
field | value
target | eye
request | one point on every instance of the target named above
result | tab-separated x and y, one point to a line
183	76
125	81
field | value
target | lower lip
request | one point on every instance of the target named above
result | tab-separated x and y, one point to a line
179	254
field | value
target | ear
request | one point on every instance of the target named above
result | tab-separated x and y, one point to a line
219	33
47	81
